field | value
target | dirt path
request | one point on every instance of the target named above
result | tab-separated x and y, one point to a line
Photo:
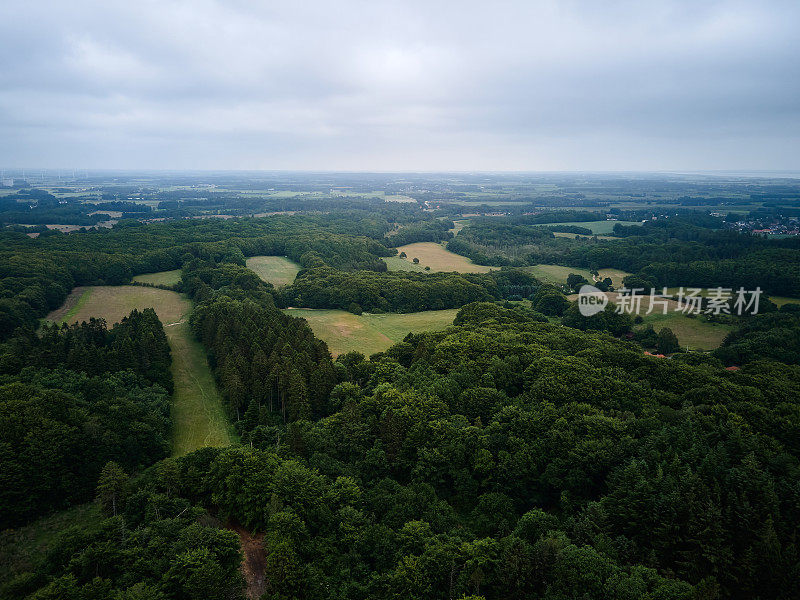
254	562
70	305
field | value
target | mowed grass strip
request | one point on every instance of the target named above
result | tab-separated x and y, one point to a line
439	258
458	225
72	305
277	270
197	414
161	278
345	332
198	417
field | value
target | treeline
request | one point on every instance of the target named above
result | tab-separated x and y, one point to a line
772	336
435	230
774	271
71	400
571	229
37	207
401	291
269	365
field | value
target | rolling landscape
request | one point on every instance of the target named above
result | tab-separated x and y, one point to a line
429	375
399	301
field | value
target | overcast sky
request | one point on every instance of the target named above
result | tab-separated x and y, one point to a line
340	85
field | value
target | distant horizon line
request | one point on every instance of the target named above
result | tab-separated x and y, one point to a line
83	170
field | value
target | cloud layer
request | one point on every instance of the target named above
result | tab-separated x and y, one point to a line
561	85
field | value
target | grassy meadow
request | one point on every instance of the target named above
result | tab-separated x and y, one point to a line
199	419
161	278
693	332
598	227
395	263
437	257
277	270
368	333
557	274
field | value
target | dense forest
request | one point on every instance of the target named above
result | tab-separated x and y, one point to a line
73	398
525	451
505	457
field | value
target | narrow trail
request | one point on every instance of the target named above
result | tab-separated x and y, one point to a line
254	561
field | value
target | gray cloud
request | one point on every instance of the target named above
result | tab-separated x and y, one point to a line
400	85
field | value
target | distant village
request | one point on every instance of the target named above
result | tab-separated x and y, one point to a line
783	226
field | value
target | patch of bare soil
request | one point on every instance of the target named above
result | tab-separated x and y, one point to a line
255	561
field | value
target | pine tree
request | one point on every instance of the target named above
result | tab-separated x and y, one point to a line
111	488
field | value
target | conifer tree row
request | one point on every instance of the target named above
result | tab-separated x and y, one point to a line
271	368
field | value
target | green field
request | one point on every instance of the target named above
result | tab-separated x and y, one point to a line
438	258
368	333
198	417
277	270
557	274
695	333
161	278
781	300
395	263
598	227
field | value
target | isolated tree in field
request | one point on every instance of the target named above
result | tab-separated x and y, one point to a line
415	261
403	255
111	488
667	342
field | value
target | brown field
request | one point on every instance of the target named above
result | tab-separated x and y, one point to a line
439	258
198	417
